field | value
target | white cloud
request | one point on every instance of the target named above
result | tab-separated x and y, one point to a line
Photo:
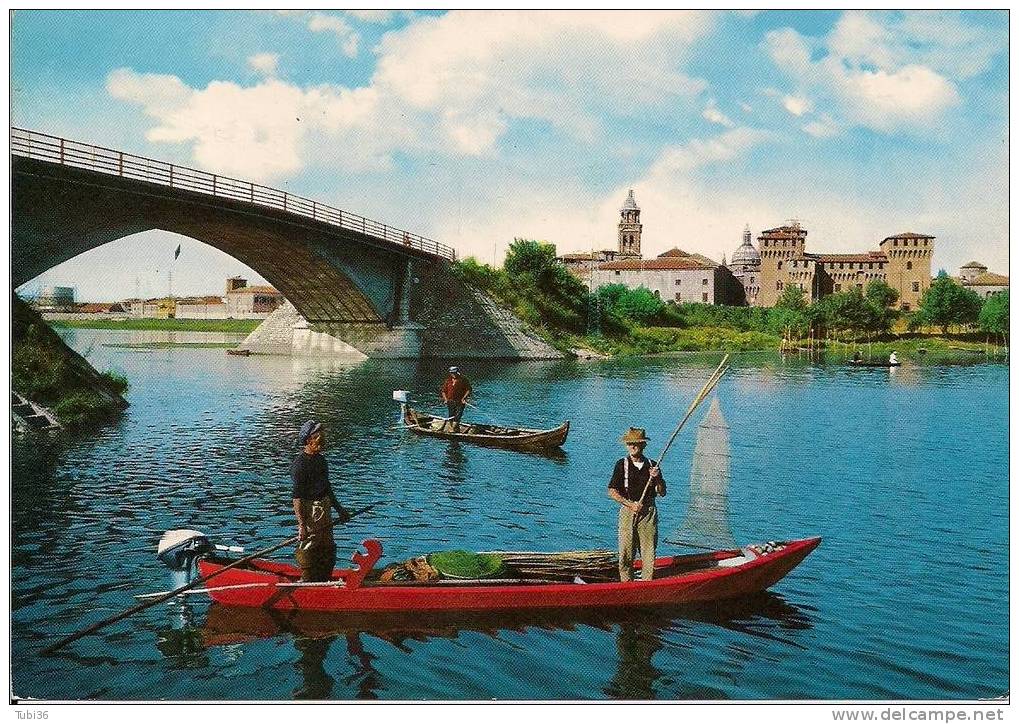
453	84
372	16
822	127
886	71
349	39
264	63
677	207
711	113
796	105
887	100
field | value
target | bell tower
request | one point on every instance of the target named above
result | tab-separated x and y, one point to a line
629	228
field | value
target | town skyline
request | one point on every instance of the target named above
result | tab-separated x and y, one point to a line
859	124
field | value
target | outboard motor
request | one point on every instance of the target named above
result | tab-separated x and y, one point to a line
180	549
401	396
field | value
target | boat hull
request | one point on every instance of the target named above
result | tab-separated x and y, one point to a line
521	439
874	364
704	584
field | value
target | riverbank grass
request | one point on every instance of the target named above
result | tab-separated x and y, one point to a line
237	326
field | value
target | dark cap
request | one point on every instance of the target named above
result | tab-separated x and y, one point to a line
307	430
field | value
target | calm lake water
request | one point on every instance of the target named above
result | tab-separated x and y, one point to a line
903	472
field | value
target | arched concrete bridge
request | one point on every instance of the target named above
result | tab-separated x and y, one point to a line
349	276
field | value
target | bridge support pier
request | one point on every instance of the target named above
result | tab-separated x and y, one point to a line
402	341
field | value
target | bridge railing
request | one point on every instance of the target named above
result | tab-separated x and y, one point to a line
54	149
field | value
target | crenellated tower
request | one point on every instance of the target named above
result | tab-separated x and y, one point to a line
909	266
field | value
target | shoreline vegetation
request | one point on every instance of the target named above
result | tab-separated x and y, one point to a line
46	371
951	323
237	326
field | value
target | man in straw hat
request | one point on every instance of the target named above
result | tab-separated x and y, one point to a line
313	504
636	481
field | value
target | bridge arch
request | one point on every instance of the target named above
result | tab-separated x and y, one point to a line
335	267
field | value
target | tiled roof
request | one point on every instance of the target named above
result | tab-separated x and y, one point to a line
909	235
989	279
257	289
659	264
583	255
783	232
201	300
677	253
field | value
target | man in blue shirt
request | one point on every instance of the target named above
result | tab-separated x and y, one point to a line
313	501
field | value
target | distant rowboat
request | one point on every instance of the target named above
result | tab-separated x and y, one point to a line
510	438
861	363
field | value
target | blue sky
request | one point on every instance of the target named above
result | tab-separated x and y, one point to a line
477	127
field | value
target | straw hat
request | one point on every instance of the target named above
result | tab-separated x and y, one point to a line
634	434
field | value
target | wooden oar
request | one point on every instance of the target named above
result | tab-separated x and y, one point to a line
187	586
705	391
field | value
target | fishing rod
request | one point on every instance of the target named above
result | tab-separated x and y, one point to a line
701	396
177	591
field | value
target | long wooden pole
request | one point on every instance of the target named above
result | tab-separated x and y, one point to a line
177	591
705	391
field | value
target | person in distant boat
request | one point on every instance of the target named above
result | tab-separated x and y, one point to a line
455	390
313	504
638	516
893	359
857	357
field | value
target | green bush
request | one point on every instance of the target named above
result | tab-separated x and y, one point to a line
81	406
994	314
117	382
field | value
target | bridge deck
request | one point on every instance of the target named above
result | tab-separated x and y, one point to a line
53	149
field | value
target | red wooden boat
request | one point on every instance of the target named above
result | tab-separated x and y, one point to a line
678	580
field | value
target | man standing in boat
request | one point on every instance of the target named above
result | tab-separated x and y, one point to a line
636	481
313	504
455	390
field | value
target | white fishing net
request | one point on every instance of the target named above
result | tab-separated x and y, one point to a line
707	513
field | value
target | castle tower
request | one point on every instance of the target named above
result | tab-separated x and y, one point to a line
778	247
629	228
909	266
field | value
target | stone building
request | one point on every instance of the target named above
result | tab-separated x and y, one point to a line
205	307
244	302
976	277
745	265
903	261
676	276
628	232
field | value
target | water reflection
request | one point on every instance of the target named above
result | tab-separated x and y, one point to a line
182	642
635	676
316	683
207	442
639	636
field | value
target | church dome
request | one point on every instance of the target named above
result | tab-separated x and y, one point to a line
745	255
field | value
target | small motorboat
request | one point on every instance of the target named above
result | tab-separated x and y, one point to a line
239	352
861	363
683	579
510	438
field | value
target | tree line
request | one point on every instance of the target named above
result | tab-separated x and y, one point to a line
544	293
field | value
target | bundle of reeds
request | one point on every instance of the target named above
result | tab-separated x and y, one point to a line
567	565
